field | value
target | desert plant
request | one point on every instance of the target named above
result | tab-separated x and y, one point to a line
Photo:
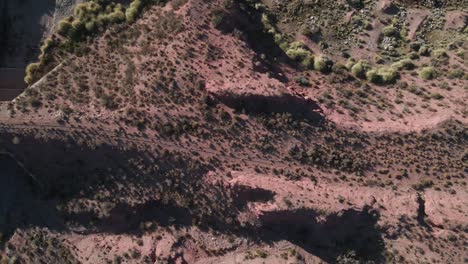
118	15
372	76
64	28
360	68
350	63
424	50
427	73
390	31
423	184
388	75
439	54
31	71
323	64
404	64
133	10
415	45
297	51
456	74
382	75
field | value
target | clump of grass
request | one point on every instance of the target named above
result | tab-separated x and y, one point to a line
133	10
423	184
428	73
384	75
360	68
437	96
388	75
439	54
31	72
298	52
323	64
425	50
415	46
64	28
390	31
456	74
404	64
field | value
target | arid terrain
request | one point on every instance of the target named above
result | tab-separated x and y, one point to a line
235	131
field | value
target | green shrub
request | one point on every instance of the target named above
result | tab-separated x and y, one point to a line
456	74
413	56
133	10
437	96
31	72
424	51
322	64
415	46
388	75
360	68
297	51
423	184
90	26
461	53
64	28
390	31
308	61
48	45
404	64
382	76
78	28
350	63
80	11
118	15
427	73
440	54
372	76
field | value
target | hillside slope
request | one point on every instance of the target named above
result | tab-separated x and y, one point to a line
242	132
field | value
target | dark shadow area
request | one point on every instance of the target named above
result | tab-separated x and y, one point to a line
168	189
19	201
328	238
298	107
11	83
124	218
21	31
246	22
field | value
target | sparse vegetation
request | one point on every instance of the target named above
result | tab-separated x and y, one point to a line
405	64
323	64
382	75
192	124
390	31
427	73
360	68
